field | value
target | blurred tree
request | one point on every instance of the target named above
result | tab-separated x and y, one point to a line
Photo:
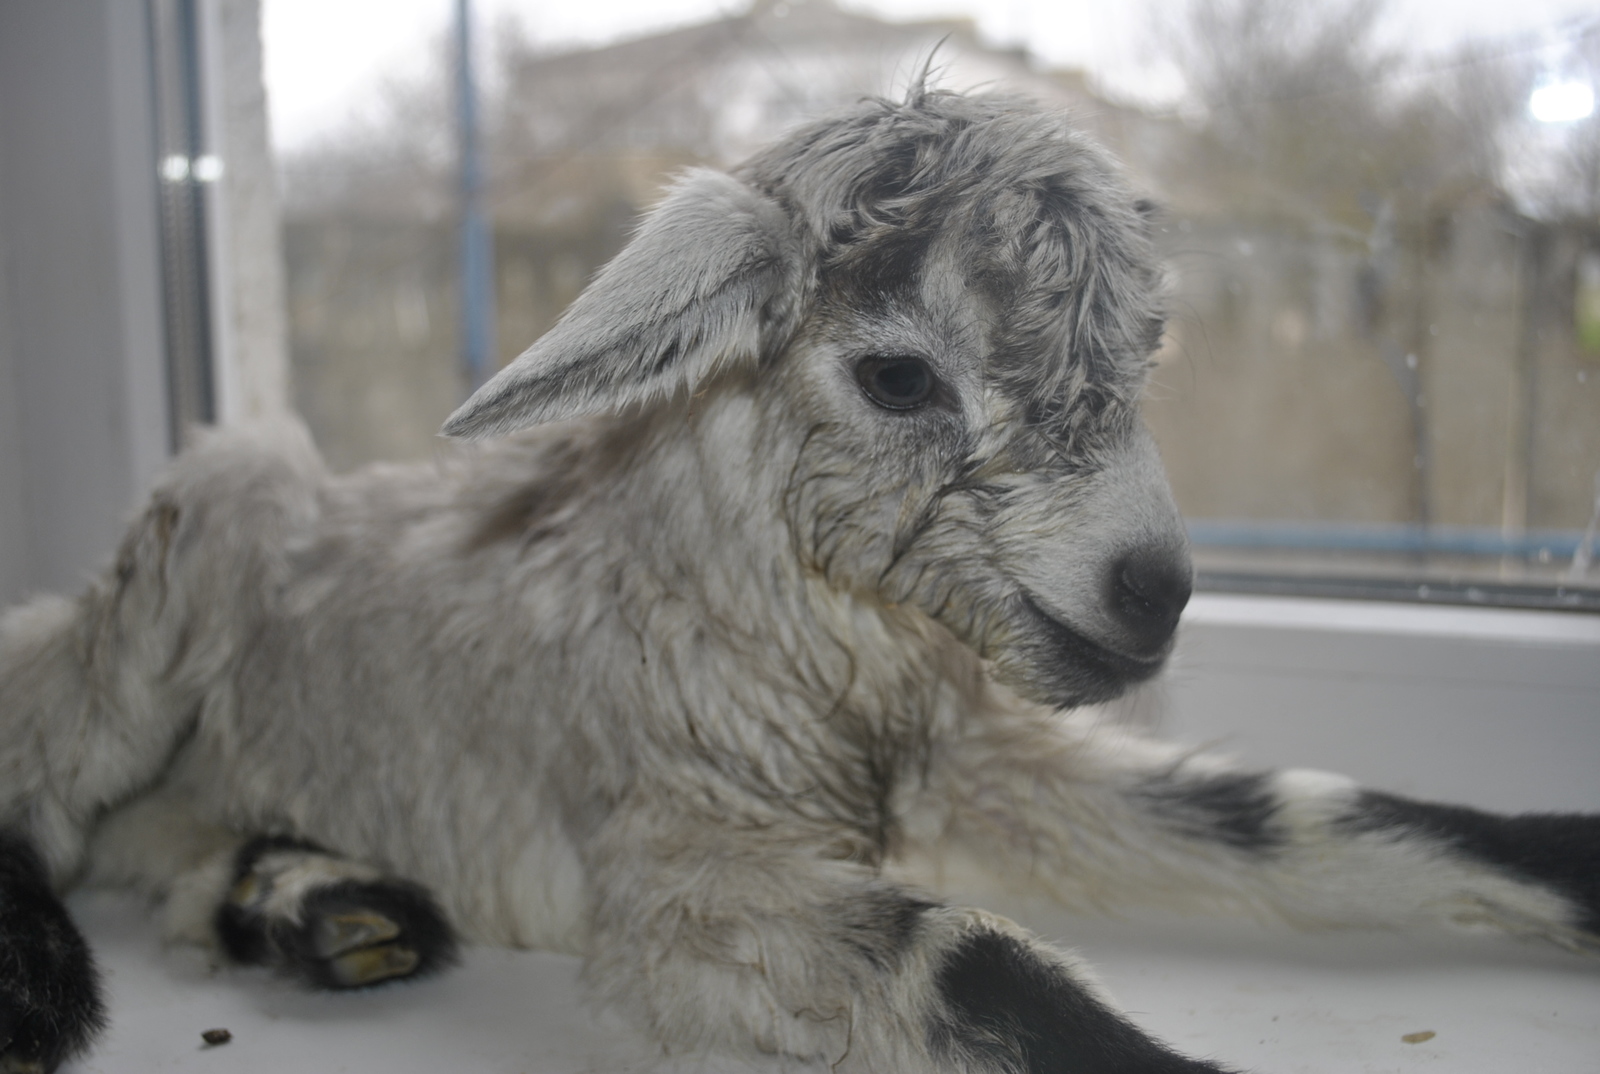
394	158
1305	112
1570	187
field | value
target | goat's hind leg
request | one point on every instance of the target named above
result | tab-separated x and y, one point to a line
50	1004
326	920
77	732
97	692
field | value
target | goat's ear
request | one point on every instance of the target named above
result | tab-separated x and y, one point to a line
708	281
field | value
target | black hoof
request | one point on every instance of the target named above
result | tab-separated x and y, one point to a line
340	931
50	1006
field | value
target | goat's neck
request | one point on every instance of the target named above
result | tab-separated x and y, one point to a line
703	505
705	489
706	496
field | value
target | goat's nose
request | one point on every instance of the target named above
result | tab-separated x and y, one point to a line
1149	589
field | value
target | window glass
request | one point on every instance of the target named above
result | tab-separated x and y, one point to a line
1382	371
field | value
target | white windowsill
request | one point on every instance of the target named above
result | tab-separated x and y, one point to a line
1385	617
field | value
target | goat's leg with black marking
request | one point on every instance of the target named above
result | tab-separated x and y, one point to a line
50	1004
1106	818
327	920
81	726
98	692
748	942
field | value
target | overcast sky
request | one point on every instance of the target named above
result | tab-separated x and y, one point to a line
325	57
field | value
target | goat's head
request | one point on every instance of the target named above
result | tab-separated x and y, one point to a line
950	305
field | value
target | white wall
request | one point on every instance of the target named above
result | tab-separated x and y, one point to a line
13	534
83	391
1493	708
247	261
82	378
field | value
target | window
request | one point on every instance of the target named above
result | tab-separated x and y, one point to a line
1382	372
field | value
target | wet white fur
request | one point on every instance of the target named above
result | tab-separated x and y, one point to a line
634	716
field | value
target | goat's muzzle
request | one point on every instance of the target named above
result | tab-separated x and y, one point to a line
1146	591
1071	668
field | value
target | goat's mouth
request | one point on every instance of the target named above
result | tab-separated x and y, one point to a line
1070	668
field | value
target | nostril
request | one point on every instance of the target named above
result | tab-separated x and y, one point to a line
1149	590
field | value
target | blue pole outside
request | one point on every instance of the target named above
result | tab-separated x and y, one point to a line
477	242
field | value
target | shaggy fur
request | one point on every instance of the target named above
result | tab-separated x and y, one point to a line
835	523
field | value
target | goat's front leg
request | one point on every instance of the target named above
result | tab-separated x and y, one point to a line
1106	818
753	942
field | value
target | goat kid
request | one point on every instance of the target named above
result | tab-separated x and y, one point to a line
835	522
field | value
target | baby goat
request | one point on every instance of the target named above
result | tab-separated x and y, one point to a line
836	520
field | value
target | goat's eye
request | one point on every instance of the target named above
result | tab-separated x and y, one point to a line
896	382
